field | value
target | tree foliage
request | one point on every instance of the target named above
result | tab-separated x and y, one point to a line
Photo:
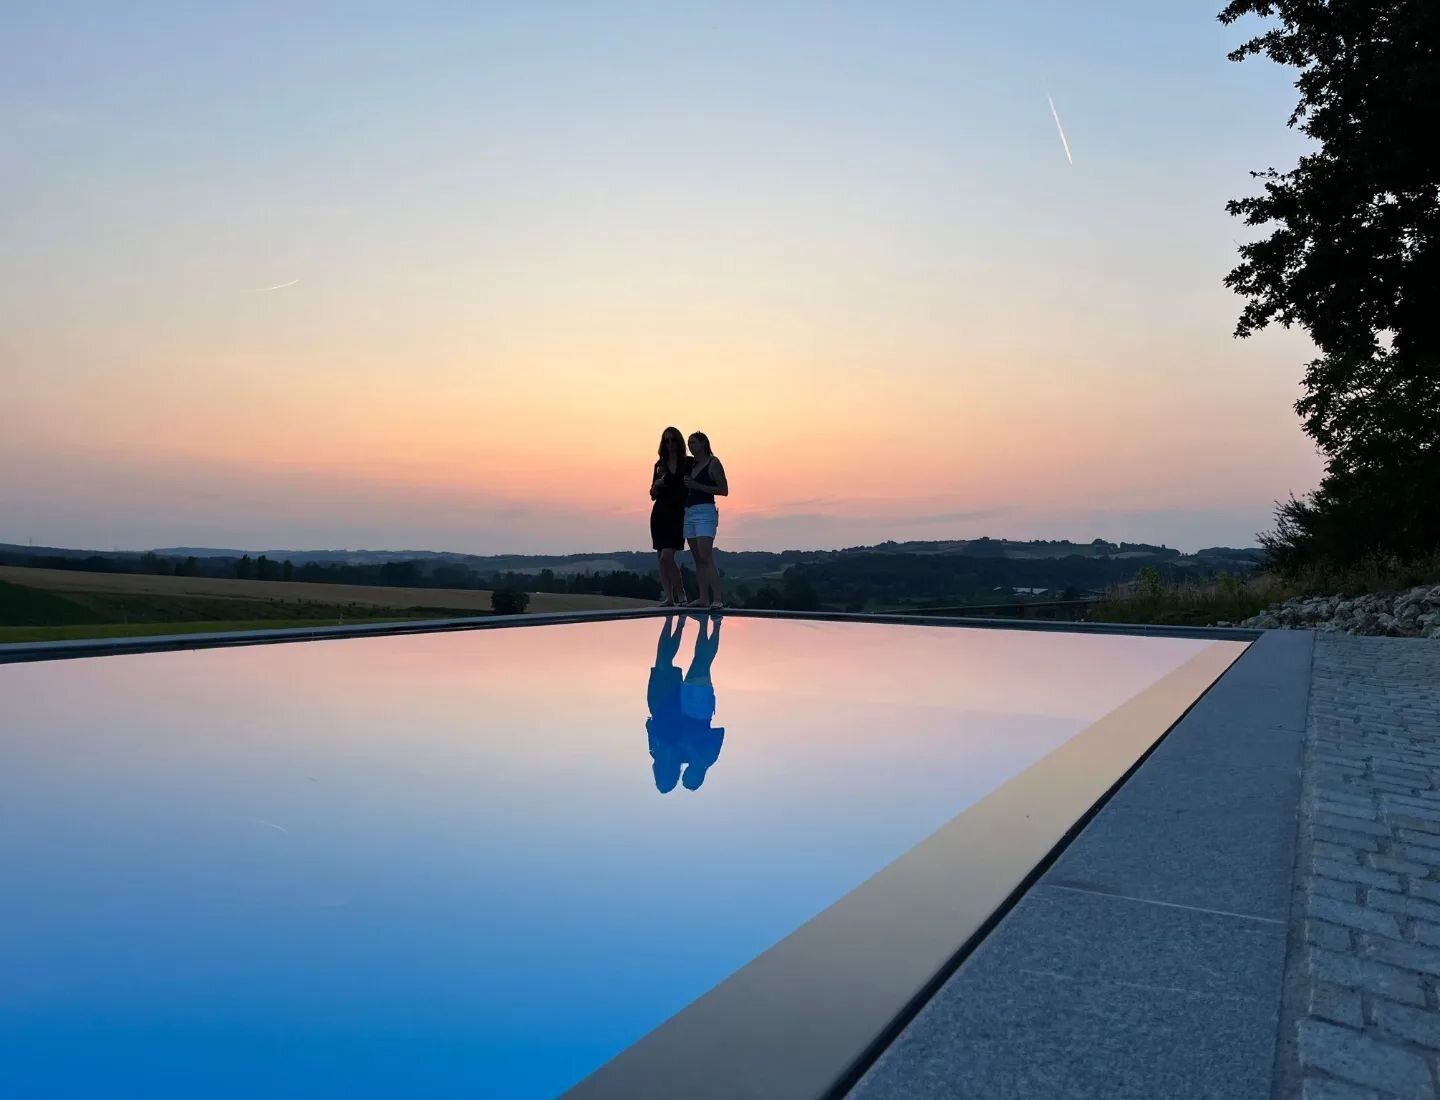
1353	257
509	601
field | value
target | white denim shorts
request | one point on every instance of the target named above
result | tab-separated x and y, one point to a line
701	521
697	700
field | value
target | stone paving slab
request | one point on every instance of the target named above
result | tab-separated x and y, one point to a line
1126	978
1362	1016
1200	824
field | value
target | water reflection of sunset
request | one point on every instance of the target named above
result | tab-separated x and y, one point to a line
387	842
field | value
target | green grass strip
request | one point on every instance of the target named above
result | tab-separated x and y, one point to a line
144	630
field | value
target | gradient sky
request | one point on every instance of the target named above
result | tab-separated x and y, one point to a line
843	239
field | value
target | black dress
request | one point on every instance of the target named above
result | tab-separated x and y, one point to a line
667	517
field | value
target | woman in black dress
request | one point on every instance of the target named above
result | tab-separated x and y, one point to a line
667	516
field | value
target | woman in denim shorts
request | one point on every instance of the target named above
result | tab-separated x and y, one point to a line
705	482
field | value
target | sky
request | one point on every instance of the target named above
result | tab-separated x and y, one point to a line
509	243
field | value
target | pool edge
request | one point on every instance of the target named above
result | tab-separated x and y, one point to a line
16	652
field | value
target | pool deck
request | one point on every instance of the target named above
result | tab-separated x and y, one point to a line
1254	913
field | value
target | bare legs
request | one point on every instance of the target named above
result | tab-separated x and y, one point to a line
672	581
668	648
707	645
706	575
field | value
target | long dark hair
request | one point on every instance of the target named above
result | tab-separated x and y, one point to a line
703	438
672	433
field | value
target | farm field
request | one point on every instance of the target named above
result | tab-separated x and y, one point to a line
26	634
45	605
361	595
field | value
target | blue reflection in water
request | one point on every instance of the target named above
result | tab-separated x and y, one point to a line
432	865
681	709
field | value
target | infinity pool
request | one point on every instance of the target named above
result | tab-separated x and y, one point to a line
476	863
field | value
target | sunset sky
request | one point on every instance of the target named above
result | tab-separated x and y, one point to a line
843	239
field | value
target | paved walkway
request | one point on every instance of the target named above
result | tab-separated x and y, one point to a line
1363	1014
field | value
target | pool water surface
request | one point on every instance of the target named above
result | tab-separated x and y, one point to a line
475	863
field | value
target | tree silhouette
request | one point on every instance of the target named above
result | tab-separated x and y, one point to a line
797	593
1353	258
400	574
509	601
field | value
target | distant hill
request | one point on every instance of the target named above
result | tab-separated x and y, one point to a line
16	549
890	575
738	563
1228	553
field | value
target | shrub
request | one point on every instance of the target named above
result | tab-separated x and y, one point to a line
1374	572
509	601
1228	598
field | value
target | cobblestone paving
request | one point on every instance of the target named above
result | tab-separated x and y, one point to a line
1366	995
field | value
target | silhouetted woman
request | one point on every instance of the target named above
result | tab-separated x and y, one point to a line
700	742
663	727
705	482
667	514
683	743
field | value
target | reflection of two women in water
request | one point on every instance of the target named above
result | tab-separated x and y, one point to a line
683	744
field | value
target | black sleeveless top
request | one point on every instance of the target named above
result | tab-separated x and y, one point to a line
696	496
672	493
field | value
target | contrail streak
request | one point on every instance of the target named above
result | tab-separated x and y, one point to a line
1063	142
265	289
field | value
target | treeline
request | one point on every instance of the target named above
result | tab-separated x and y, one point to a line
615	582
857	582
418	573
850	581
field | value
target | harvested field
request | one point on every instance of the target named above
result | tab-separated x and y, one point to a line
26	634
133	584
